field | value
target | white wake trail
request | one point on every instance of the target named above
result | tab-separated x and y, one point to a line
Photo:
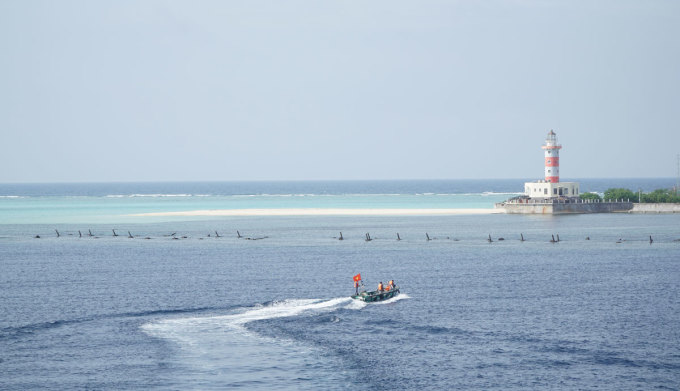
181	329
222	348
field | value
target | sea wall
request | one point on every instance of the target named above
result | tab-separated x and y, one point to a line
656	208
600	207
565	208
526	208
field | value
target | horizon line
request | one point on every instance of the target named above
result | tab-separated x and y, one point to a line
312	180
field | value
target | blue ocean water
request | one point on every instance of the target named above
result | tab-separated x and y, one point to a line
193	311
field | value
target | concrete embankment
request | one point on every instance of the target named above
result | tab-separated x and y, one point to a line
565	208
655	208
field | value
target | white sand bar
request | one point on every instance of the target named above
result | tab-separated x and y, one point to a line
325	212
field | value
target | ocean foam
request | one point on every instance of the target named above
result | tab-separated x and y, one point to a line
310	195
492	193
153	195
324	212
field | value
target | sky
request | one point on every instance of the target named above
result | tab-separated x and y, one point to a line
119	90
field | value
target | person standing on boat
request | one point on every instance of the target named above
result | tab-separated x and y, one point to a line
357	281
392	285
380	287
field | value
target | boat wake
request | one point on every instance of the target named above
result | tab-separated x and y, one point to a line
287	308
181	329
396	298
278	309
222	349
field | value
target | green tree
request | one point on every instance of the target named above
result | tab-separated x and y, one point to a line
590	196
620	194
660	196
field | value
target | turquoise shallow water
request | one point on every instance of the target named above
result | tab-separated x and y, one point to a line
114	202
69	209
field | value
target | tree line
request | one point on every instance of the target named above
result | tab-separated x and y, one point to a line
656	196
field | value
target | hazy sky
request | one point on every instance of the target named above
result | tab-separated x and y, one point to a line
256	90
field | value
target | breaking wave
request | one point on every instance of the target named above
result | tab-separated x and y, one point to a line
267	195
154	195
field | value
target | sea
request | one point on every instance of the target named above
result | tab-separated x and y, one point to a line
95	296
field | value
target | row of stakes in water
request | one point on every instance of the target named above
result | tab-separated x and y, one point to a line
172	235
368	238
490	240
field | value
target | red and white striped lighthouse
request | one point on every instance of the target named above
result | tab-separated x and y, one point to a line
552	158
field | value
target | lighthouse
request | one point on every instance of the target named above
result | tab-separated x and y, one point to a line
550	196
552	158
551	187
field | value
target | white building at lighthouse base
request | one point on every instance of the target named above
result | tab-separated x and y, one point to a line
544	189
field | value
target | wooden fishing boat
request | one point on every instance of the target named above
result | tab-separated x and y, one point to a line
372	296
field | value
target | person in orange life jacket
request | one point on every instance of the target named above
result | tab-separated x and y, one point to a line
380	287
392	285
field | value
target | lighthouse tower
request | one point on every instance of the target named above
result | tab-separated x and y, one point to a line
551	187
552	158
550	196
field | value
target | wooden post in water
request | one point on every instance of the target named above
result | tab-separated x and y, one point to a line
55	230
130	235
522	237
398	237
79	234
427	236
114	232
489	239
553	239
650	239
90	231
558	237
341	238
238	234
216	234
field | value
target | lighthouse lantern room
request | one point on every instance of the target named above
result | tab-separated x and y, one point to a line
551	187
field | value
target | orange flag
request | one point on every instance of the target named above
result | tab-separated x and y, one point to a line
357	277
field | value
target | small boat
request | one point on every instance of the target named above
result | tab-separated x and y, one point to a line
377	295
